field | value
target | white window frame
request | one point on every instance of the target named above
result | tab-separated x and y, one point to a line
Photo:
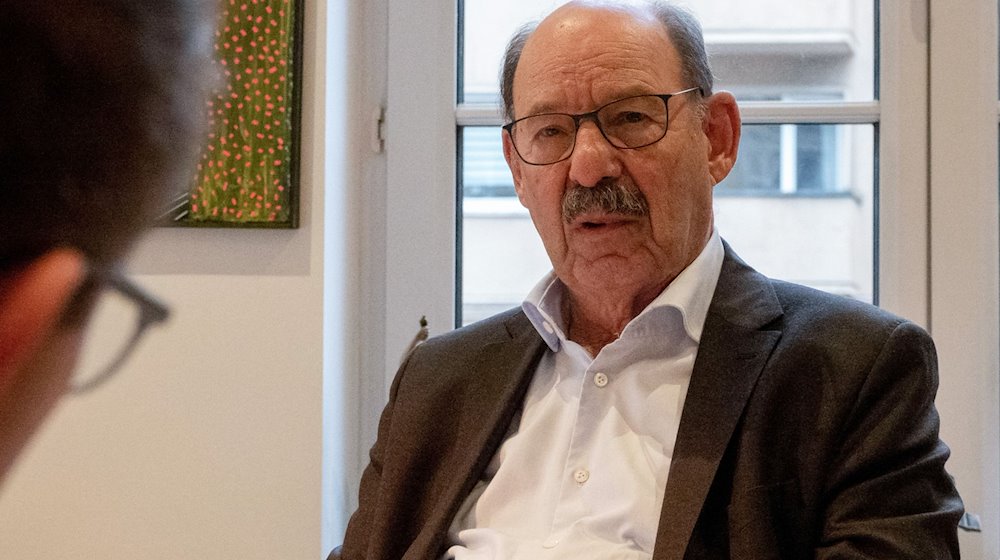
937	244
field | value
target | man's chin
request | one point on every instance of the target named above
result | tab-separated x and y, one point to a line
613	276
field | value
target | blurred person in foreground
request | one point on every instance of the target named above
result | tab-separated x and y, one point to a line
654	396
101	121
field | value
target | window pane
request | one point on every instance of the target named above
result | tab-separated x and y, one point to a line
502	256
801	212
818	230
789	158
484	171
816	48
815	148
758	167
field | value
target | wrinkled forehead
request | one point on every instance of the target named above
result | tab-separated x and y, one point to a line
595	50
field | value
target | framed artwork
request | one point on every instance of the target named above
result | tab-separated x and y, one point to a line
248	172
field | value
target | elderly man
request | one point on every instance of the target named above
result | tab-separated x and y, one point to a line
100	122
654	397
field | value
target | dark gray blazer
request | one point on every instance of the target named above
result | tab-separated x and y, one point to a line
809	431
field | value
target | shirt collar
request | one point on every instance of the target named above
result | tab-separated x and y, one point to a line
690	293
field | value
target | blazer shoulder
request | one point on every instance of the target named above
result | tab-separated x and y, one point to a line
501	327
746	297
805	304
469	347
837	330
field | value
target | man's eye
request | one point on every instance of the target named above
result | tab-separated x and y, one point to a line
549	132
631	117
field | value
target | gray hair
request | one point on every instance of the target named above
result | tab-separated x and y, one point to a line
681	25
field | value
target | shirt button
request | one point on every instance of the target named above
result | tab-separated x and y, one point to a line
581	476
548	327
600	379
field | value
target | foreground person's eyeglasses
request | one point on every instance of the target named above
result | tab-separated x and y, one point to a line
121	315
631	122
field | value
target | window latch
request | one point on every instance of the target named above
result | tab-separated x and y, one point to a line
377	137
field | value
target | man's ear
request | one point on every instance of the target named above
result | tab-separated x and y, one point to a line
722	127
514	163
32	300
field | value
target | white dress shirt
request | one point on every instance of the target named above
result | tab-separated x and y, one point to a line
582	472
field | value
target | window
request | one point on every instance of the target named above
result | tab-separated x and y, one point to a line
789	159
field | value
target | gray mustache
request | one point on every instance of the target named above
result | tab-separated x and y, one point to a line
607	197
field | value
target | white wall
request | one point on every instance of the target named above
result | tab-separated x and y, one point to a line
210	444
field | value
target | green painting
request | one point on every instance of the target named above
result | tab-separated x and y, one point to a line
247	175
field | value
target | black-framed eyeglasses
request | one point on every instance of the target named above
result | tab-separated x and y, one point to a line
122	314
632	122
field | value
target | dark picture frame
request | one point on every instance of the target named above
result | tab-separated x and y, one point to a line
249	172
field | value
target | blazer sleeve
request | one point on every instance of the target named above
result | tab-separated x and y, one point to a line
888	495
360	526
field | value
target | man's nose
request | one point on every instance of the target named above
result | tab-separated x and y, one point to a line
593	158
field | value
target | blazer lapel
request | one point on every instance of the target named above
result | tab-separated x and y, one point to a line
732	353
504	371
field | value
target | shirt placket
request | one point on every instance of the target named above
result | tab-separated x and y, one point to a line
578	472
